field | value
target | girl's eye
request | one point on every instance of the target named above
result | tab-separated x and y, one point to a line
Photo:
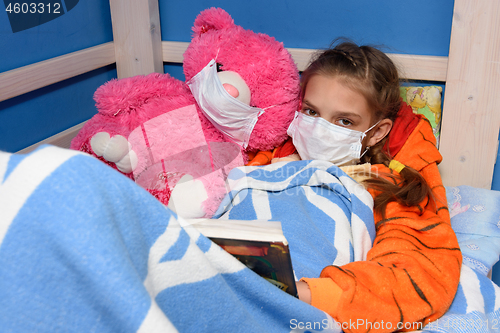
310	112
219	67
344	122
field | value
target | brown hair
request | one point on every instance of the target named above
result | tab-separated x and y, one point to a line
369	71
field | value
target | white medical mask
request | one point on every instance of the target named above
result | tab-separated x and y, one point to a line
232	117
317	139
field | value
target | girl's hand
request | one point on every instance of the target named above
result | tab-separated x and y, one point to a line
303	291
289	158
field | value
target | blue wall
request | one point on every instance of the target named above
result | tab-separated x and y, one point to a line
34	116
401	26
316	23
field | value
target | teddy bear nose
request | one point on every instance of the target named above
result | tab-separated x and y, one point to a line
231	90
235	86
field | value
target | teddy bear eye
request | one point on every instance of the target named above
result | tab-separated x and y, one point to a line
219	67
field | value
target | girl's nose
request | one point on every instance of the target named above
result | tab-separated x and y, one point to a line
231	90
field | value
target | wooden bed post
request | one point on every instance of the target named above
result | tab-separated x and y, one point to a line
471	115
137	37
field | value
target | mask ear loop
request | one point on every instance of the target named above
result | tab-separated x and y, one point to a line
368	130
217	55
367	148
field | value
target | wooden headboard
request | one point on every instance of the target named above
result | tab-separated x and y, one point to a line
471	72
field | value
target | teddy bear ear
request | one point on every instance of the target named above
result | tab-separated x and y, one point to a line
212	19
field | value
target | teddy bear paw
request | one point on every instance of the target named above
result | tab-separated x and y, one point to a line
114	149
187	197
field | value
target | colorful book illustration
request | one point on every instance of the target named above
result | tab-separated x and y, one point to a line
259	244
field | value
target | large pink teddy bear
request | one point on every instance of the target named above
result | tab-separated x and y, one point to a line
179	140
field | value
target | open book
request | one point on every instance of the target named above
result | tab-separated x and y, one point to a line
259	244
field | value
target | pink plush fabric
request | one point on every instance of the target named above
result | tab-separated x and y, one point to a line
140	103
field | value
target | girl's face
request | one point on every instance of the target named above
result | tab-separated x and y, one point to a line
327	98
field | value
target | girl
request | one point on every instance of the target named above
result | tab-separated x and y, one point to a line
352	113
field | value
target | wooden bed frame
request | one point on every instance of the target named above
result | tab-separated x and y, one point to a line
471	72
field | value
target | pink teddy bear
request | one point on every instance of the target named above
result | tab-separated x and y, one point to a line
179	140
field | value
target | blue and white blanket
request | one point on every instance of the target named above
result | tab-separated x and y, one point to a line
84	249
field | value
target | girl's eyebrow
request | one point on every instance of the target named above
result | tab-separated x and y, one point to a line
306	102
348	114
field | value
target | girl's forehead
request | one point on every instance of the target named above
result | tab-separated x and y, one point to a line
332	93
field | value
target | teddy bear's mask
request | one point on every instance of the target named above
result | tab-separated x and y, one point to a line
229	115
